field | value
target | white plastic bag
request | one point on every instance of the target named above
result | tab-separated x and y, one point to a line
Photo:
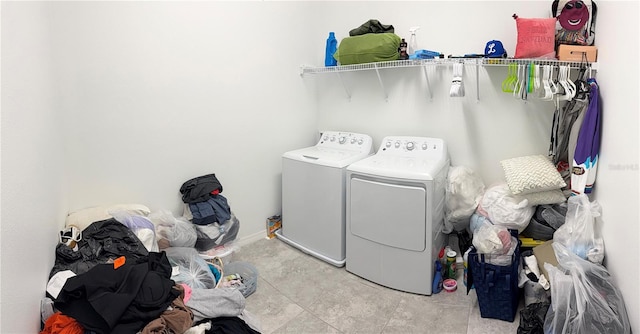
506	209
584	299
578	233
487	239
463	193
178	232
141	226
189	268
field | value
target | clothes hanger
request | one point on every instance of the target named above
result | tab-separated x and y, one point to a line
517	92
532	78
508	84
536	80
546	83
572	86
528	85
565	95
553	82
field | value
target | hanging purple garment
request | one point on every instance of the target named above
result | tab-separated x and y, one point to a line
585	159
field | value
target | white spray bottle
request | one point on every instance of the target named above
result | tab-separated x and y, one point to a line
413	44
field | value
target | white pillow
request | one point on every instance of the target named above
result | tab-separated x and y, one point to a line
531	174
84	217
544	197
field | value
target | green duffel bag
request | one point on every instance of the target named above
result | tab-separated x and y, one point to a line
368	48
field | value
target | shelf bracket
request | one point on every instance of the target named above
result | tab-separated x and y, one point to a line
386	96
426	76
344	86
478	80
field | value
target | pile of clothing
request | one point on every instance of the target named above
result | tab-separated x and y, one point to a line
209	211
122	269
111	283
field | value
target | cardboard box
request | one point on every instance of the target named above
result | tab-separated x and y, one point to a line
274	223
575	53
545	253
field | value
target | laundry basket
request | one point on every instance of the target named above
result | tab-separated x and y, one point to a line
496	285
249	275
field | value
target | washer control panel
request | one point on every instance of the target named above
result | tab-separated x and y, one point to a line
345	140
405	146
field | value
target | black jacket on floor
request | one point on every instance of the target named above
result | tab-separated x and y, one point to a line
102	241
119	300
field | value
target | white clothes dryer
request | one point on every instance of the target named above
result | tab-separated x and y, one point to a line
395	213
314	194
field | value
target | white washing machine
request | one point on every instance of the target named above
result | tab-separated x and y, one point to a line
395	213
314	194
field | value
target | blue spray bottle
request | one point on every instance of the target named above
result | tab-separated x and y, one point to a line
437	278
332	46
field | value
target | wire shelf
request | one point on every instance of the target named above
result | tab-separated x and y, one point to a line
552	62
370	66
441	61
475	62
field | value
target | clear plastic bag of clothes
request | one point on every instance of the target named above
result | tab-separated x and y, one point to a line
583	297
190	268
578	233
141	226
214	235
463	193
504	208
172	231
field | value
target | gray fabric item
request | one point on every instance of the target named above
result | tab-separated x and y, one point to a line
251	320
546	221
570	113
573	137
538	230
214	303
554	215
47	310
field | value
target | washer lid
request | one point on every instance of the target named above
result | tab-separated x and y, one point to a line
399	167
335	149
326	156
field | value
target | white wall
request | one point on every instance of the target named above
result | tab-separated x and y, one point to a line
33	168
617	186
149	94
160	92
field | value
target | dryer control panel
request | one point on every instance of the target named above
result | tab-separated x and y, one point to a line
345	140
413	147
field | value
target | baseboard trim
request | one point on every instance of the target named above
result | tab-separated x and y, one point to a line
251	238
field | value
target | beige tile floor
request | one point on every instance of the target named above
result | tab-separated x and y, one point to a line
300	294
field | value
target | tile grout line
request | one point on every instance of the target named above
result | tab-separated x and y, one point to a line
304	309
391	313
468	318
285	296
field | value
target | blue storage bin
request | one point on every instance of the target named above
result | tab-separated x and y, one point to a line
496	286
